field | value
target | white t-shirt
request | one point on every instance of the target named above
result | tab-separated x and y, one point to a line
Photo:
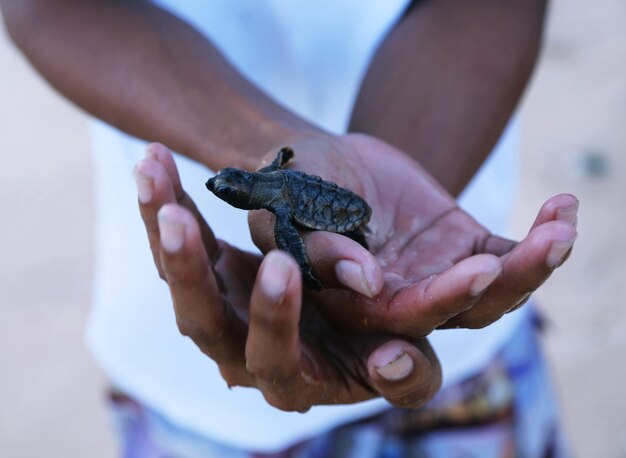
310	56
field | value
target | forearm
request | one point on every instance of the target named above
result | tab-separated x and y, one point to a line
150	74
445	81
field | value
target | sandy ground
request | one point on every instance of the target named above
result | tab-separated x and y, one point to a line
51	392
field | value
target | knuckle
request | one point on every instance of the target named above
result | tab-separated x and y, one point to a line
190	328
262	372
184	327
281	404
286	404
206	332
183	281
234	376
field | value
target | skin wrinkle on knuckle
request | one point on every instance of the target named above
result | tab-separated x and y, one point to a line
449	317
274	374
206	336
517	294
177	280
288	397
233	376
270	317
519	285
281	404
186	327
274	318
259	370
396	326
431	322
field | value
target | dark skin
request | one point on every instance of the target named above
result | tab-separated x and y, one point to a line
423	98
458	90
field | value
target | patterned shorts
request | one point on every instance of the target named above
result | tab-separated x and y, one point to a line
508	410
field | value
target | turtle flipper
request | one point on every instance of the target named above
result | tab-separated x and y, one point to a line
283	156
288	239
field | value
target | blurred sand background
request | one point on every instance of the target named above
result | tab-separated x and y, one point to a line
51	391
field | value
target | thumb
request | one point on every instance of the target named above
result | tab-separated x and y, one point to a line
406	375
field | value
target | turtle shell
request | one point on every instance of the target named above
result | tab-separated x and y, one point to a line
322	205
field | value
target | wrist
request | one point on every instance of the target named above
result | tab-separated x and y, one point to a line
245	146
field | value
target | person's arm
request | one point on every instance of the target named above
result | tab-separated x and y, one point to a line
152	75
447	78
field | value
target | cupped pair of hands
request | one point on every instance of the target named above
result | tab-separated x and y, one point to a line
430	266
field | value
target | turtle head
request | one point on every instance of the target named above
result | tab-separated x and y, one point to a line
233	186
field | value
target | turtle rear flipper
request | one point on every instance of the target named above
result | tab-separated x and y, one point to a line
288	239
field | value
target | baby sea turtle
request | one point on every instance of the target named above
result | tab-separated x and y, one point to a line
296	199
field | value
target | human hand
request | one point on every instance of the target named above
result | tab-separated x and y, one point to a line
249	315
431	264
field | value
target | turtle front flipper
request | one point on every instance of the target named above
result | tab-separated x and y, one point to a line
288	239
283	156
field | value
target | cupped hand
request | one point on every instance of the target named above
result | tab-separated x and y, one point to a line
430	265
249	315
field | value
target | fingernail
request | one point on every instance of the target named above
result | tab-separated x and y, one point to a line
145	186
352	275
393	363
172	232
557	252
568	214
482	281
275	276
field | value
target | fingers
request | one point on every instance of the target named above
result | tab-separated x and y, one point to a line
154	190
162	155
200	310
273	349
407	376
527	264
158	184
292	378
563	207
340	261
525	268
274	317
337	260
420	308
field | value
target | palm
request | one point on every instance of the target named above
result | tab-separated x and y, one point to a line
429	250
